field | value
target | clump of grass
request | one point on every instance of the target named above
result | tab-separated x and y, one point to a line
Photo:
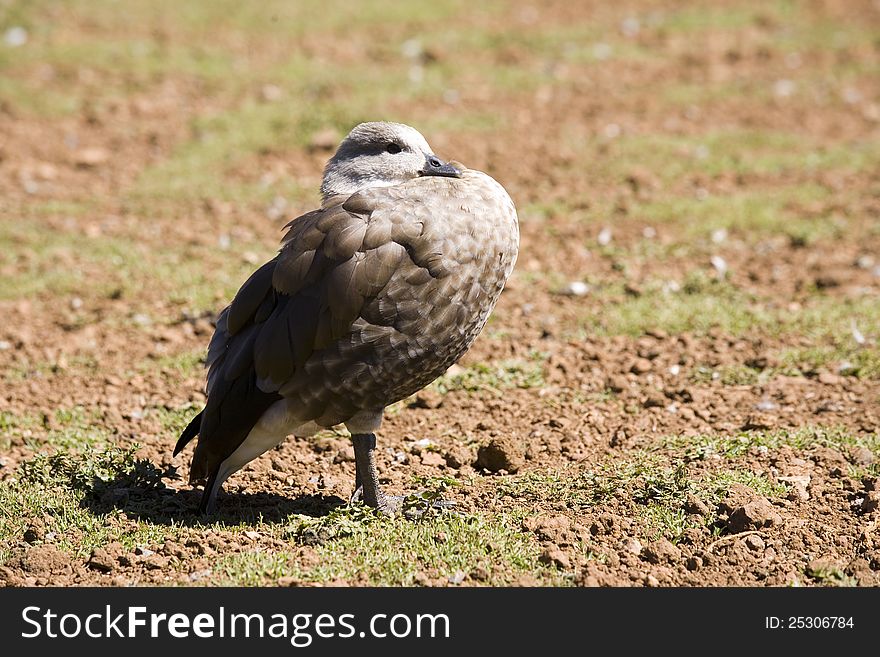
494	377
79	472
729	375
829	575
341	522
429	496
13	426
715	487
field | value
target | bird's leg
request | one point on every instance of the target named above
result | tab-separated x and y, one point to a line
366	479
358	493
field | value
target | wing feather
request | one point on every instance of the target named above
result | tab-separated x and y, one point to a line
249	297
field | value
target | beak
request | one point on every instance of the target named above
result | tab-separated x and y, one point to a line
434	166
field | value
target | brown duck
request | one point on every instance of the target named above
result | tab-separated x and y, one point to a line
370	298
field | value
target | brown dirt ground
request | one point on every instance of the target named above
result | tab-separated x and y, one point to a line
73	354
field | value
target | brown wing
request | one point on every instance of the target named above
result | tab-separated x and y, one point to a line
304	299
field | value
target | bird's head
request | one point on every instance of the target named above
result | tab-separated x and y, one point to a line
380	154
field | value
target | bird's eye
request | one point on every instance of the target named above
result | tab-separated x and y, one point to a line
393	148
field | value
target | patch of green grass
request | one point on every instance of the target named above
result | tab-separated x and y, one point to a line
717	485
665	514
140	58
493	377
702	18
666	521
664	491
13	425
863	362
575	489
729	375
10	421
215	162
211	163
79	472
173	420
752	214
751	151
580	43
65	262
686	94
28	99
205	165
184	362
75	428
831	319
731	446
46	259
702	302
54	489
203	21
651	487
696	307
357	544
34	252
81	364
221	46
824	35
66	492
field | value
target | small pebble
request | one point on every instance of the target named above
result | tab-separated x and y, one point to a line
754	542
577	289
783	88
457	577
856	333
15	36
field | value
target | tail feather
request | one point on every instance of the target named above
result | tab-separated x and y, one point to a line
191	431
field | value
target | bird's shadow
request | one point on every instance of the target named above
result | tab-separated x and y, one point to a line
141	494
